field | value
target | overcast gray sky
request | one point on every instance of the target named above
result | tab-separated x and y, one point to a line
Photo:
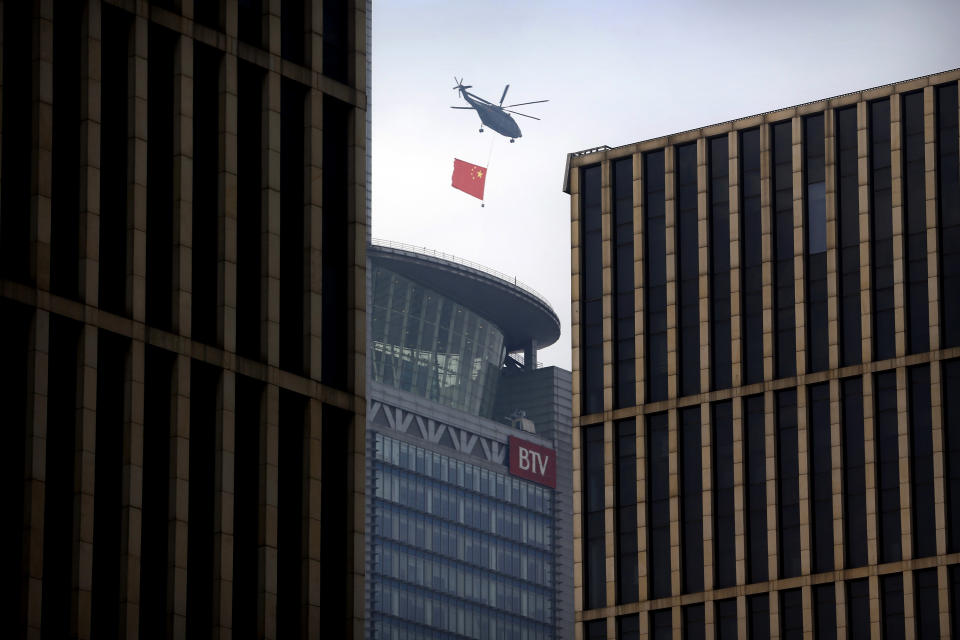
615	73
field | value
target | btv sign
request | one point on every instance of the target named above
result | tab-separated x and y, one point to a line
533	462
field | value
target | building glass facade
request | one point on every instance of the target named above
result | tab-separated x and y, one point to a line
825	499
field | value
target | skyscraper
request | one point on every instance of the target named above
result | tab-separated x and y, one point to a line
183	227
766	349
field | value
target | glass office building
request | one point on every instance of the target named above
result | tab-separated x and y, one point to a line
767	322
468	514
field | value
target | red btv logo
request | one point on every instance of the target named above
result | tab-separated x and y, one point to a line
533	462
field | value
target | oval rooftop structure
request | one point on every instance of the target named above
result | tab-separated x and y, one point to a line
524	316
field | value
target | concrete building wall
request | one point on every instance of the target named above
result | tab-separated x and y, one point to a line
176	372
904	366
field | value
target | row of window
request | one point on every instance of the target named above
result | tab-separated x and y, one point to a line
691	619
755	455
814	144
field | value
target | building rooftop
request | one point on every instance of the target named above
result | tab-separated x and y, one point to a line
524	316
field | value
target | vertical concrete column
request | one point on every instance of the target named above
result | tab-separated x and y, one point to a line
223	493
833	285
840	609
741	615
739	490
903	450
706	480
313	469
227	196
576	295
35	470
131	516
670	237
313	232
606	256
703	262
930	189
269	499
766	250
356	488
179	497
875	620
774	615
909	607
806	603
864	215
609	511
642	556
799	243
270	203
770	450
870	471
736	316
84	478
314	36
836	474
943	601
638	277
357	232
137	190
42	154
183	182
90	56
939	457
673	465
896	189
803	475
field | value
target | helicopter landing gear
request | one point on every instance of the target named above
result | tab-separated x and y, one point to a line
481	129
512	140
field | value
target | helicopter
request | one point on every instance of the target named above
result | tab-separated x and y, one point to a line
495	116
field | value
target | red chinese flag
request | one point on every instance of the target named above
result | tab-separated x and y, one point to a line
469	178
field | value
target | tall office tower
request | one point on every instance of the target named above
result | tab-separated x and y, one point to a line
468	455
182	270
766	350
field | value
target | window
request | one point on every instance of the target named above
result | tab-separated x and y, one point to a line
888	465
624	331
927	603
694	622
628	628
292	118
954	573
724	529
921	463
655	283
661	624
791	615
595	629
627	580
821	476
688	285
816	242
725	619
756	484
758	610
848	220
825	612
948	202
788	483
591	292
751	271
593	536
858	609
720	358
784	320
915	225
658	503
881	227
854	473
951	432
691	499
891	603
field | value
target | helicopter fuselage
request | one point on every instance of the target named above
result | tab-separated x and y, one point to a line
494	117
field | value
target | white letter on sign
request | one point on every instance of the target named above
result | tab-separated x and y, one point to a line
543	467
524	461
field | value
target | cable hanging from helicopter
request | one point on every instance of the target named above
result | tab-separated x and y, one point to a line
495	116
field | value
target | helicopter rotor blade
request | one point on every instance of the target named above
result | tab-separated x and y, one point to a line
505	89
521	114
520	104
470	108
